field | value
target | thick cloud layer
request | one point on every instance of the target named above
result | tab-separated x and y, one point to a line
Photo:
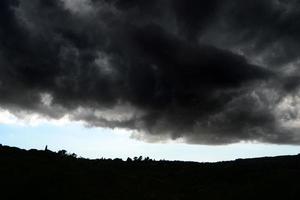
207	72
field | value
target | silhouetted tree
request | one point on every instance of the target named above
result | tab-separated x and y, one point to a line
129	160
140	158
147	159
74	155
62	152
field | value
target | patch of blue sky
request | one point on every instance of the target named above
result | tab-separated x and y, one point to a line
108	143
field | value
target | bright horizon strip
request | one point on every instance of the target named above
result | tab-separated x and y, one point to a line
36	133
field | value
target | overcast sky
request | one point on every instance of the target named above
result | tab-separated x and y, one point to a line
171	72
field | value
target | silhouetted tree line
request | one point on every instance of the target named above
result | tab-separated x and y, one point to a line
65	153
45	174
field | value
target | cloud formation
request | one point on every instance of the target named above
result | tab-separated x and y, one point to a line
207	72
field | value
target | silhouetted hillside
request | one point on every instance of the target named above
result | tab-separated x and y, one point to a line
41	175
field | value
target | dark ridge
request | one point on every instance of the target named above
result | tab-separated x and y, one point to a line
45	174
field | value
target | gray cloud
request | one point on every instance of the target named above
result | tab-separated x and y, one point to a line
209	72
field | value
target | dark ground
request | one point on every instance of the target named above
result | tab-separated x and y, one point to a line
41	175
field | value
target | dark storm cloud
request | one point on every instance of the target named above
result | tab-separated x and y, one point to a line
168	69
261	27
